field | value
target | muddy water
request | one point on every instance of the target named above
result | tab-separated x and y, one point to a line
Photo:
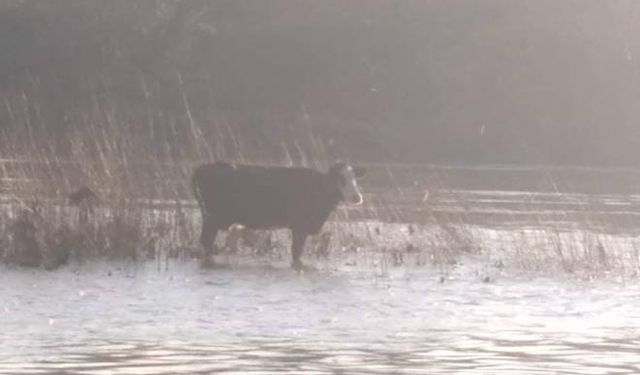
136	319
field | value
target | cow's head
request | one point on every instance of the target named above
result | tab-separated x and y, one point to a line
344	176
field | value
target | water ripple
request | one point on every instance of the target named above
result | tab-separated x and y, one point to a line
257	321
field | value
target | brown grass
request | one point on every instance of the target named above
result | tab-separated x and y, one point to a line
146	211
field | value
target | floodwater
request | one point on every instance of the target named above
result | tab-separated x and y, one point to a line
126	318
500	284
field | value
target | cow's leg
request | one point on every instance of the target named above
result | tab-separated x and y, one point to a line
297	245
208	240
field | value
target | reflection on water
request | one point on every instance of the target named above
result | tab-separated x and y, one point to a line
126	319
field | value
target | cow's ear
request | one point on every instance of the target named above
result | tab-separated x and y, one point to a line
359	171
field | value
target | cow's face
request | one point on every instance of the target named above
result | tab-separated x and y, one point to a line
344	176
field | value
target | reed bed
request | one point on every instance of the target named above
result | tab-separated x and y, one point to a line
413	214
51	233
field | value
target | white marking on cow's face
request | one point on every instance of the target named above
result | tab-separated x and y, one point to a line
349	186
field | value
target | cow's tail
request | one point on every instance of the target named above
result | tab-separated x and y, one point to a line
195	185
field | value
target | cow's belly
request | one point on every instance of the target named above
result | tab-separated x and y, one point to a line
271	219
255	217
260	207
262	220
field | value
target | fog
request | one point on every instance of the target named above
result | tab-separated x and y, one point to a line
492	145
464	82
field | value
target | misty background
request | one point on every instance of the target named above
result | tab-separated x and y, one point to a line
461	82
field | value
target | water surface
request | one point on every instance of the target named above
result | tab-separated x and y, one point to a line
137	319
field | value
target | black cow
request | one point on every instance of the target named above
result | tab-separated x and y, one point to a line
260	197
